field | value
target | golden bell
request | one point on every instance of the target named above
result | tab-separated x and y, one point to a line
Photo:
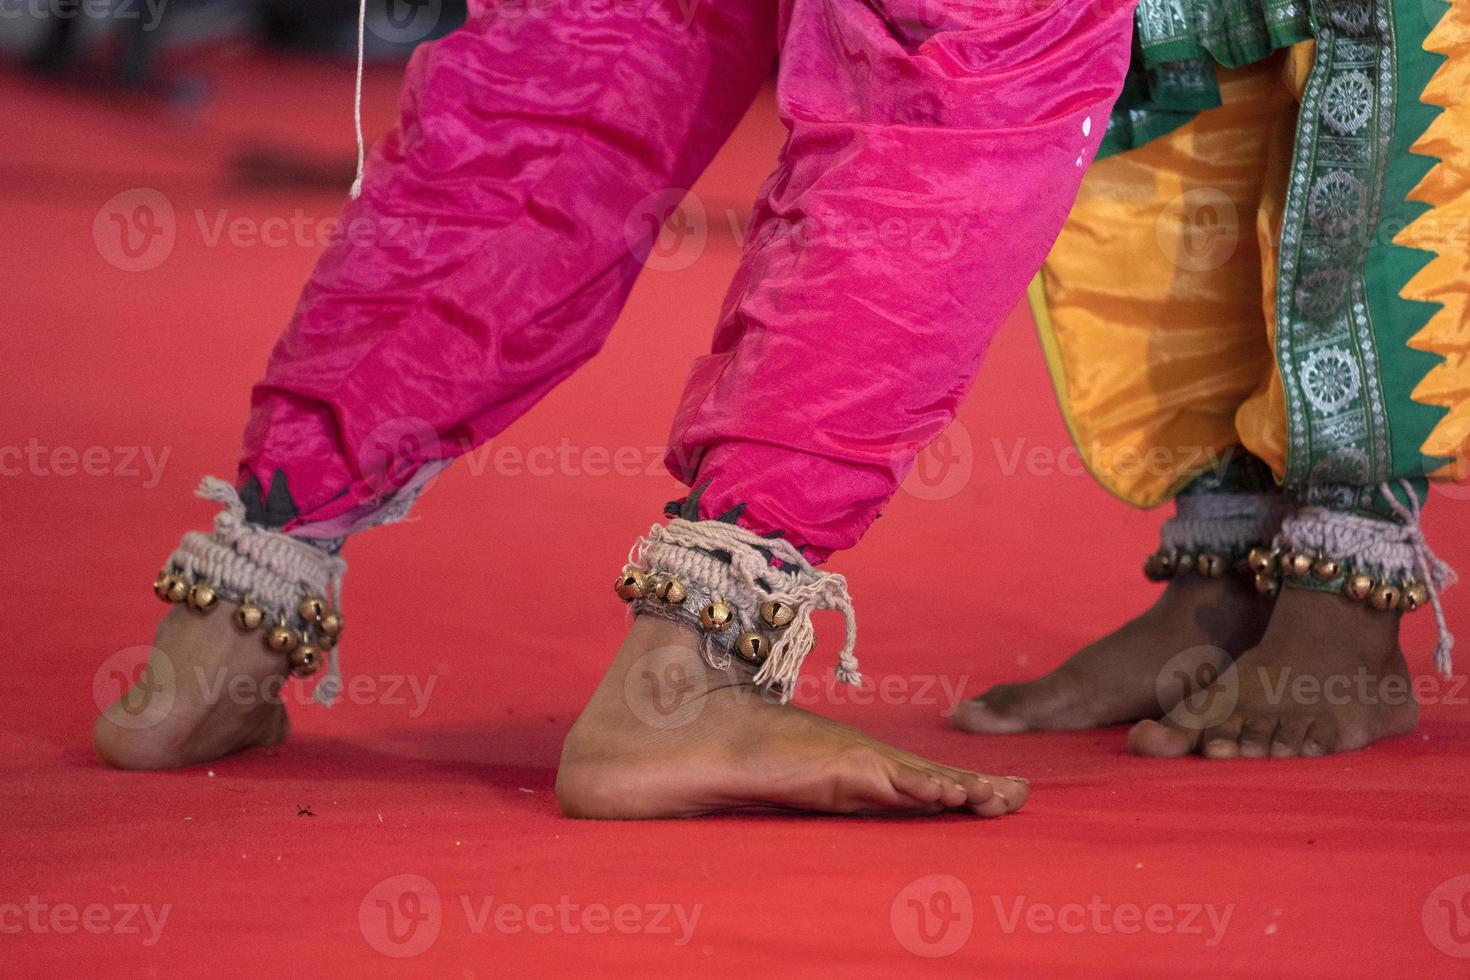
202	599
161	585
1384	596
1211	566
1296	563
1261	560
632	584
1156	567
305	660
1357	587
777	615
1184	563
1415	595
1267	584
326	640
752	647
670	590
331	623
1326	569
716	616
281	639
249	617
312	608
178	589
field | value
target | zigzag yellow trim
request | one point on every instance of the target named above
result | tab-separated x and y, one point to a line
1445	231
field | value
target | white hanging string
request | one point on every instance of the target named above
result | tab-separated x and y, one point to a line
356	191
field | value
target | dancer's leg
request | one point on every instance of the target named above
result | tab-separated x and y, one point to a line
498	235
1369	398
1150	370
926	174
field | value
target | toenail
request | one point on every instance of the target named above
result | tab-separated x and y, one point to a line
1020	779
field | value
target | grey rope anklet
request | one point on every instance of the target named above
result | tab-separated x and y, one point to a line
285	586
1386	563
754	608
1212	533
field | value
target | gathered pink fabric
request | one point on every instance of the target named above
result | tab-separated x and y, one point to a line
934	150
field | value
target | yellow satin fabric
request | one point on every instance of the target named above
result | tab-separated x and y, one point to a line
1156	308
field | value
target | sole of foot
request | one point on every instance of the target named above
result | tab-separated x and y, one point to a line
1141	670
207	690
665	735
1327	677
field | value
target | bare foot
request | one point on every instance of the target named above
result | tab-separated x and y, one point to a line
1328	676
667	736
1182	641
208	690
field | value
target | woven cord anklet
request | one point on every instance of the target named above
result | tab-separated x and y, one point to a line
1213	533
285	586
750	598
1387	564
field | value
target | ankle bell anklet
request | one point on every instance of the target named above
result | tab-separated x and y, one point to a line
750	598
1384	563
1213	533
284	586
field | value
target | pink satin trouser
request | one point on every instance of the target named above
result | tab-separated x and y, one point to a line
934	150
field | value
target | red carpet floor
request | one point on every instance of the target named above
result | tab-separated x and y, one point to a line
440	768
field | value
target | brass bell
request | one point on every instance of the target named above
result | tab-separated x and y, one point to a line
177	589
305	660
670	590
777	615
1384	596
249	616
1210	566
716	616
1296	563
752	647
1415	595
1267	584
1261	560
1156	567
1184	563
326	640
161	585
312	609
331	623
632	584
1326	569
202	598
1357	587
281	638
